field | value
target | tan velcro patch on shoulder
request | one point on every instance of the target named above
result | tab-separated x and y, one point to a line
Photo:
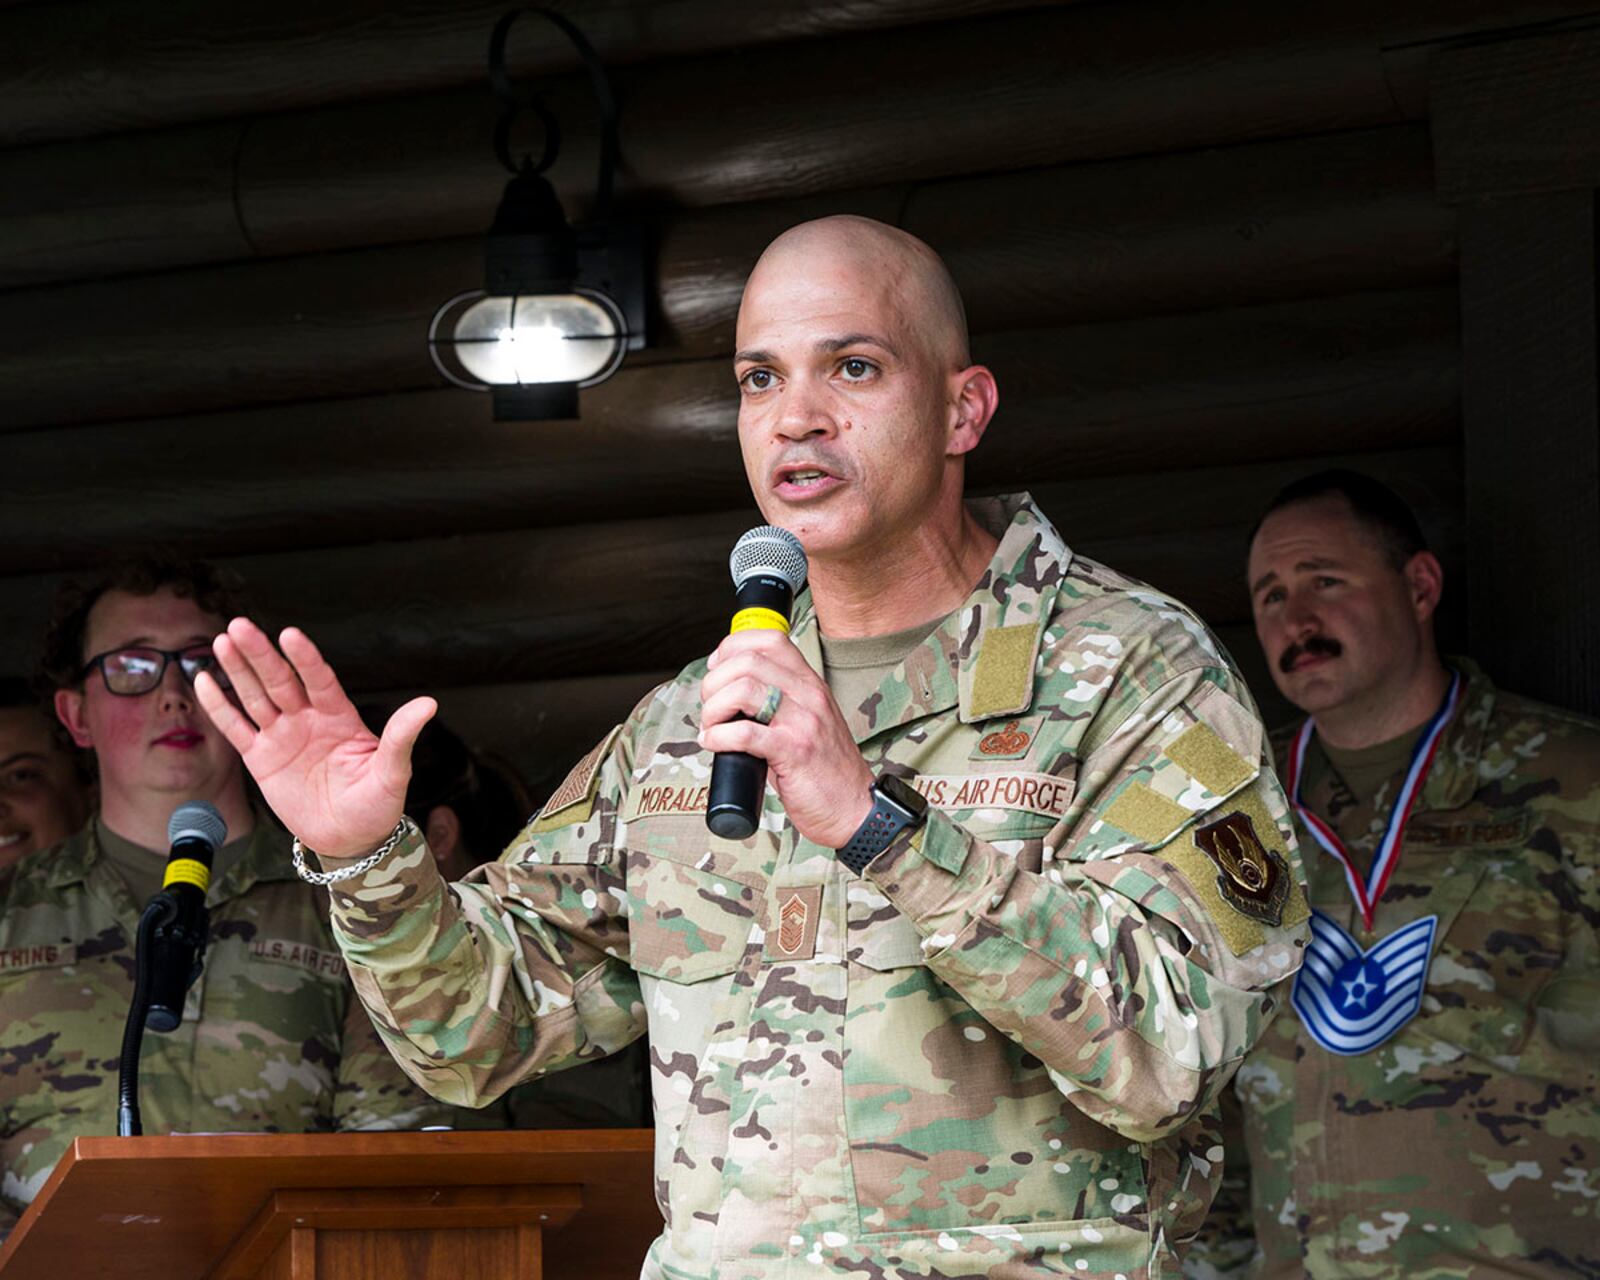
1220	886
1002	681
1210	761
573	800
1146	815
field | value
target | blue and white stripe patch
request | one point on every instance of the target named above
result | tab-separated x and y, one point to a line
1351	1000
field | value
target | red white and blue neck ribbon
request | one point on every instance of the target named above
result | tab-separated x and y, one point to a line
1367	892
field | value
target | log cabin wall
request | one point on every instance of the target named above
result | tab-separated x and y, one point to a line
1203	245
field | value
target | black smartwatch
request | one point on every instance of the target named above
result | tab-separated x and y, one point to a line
896	806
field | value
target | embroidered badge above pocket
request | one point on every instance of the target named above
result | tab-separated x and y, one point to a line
1007	740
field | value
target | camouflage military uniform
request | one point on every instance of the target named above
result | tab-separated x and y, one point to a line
999	1050
1468	1144
271	1039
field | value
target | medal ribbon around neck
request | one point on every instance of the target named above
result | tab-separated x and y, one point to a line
1367	892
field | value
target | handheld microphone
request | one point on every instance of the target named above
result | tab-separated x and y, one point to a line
768	566
178	948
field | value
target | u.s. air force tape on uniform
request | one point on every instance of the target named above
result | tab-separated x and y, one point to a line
1040	793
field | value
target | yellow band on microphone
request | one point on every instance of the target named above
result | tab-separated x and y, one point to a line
758	619
187	871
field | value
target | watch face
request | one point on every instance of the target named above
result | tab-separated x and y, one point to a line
904	795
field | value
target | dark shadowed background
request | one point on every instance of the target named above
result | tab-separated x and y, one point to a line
1206	247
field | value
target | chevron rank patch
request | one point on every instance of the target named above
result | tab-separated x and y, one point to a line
1352	1000
798	911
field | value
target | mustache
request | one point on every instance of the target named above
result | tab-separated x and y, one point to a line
1318	646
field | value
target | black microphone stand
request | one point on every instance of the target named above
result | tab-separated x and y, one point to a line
158	913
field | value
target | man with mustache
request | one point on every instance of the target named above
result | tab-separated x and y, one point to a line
273	1038
1021	897
1429	1105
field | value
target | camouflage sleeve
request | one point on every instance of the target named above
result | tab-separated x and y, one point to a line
1140	962
372	1091
519	969
1227	1243
1569	1004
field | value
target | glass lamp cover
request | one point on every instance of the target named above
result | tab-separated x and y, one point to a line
566	337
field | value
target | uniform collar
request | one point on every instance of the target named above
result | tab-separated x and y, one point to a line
982	658
266	858
1453	780
72	859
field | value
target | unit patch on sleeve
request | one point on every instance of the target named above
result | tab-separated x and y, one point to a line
1251	878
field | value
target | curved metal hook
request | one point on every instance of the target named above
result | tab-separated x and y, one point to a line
520	100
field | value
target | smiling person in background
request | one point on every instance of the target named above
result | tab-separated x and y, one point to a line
273	1037
43	795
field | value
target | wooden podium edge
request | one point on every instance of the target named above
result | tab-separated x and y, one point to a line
468	1159
305	1211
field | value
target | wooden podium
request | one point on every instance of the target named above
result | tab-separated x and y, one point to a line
346	1206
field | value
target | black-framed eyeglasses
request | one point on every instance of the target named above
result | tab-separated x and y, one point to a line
139	669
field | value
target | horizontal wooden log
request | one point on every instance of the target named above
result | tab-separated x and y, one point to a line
1371	371
126	64
1283	220
319	180
652	594
821	115
1228	226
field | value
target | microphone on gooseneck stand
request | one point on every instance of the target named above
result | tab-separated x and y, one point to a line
171	945
768	565
194	834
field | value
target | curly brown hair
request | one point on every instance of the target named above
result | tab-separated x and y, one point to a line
218	591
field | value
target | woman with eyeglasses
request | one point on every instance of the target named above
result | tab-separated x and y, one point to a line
272	1038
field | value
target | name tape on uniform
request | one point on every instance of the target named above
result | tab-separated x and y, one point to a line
282	951
660	799
1040	793
44	955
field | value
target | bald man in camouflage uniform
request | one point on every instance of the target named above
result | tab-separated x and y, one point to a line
1465	1141
272	1037
995	1047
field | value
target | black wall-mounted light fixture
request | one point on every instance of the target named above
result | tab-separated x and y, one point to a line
560	308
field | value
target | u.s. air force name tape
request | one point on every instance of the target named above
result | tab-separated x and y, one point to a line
1351	1000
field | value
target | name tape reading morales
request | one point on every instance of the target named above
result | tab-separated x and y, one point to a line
663	798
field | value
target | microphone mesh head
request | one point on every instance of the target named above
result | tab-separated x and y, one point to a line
197	820
769	549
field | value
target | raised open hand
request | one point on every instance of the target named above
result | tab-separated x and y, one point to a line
329	780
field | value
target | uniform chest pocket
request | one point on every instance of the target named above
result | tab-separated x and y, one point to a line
876	934
686	924
1500	949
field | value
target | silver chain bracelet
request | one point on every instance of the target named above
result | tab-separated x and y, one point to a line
402	829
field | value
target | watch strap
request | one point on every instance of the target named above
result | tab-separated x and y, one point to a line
877	831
